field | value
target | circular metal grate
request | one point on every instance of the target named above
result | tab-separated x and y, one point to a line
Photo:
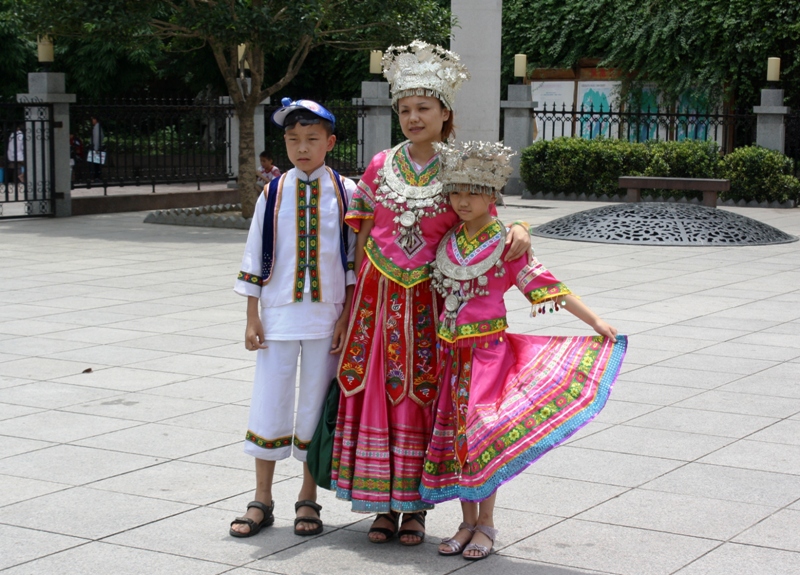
662	224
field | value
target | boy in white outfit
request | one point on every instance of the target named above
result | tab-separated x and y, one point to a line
298	262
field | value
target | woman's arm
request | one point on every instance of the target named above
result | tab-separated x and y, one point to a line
580	310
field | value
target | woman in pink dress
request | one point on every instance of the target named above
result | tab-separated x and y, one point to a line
387	372
506	399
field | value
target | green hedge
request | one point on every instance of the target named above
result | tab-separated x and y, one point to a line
574	165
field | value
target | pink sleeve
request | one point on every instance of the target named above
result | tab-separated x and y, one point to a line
362	204
535	281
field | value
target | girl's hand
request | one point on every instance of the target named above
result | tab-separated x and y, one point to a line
520	240
605	329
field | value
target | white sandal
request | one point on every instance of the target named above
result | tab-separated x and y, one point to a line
483	551
455	545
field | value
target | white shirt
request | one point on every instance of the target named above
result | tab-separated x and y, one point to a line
16	147
282	316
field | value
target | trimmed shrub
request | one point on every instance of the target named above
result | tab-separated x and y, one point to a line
574	165
759	174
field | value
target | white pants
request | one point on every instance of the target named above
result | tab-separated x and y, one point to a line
273	431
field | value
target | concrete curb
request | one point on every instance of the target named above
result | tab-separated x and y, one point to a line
526	195
203	216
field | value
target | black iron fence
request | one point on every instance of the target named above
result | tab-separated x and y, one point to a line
729	129
26	169
792	148
347	156
149	142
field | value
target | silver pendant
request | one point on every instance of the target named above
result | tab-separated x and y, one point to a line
451	303
407	219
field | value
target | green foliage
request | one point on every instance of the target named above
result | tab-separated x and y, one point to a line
574	165
710	46
760	174
17	51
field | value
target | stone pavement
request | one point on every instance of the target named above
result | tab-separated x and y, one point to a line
137	466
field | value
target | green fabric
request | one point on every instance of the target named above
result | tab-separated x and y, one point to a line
320	450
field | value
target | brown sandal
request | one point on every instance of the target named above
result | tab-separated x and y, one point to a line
419	517
255	526
313	520
388	534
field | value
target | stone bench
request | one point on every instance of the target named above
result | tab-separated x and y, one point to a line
709	187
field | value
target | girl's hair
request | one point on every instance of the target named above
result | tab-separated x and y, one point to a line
449	126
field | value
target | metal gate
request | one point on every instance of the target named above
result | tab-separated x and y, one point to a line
27	168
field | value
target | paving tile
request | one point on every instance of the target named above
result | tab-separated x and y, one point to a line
12	411
60	426
779	531
52	395
176	343
702	421
681	377
743	403
679	514
141	407
124	378
76	465
197	365
550	494
42	368
40	346
787	431
16	489
15	445
736	559
750	351
112	355
653	442
650	393
233	456
207	389
227	418
711	363
620	469
621	411
584	545
89	513
729	484
202	533
35	327
22	545
97	557
97	335
191	483
164	441
758	455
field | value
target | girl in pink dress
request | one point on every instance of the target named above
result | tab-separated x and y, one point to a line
387	372
506	399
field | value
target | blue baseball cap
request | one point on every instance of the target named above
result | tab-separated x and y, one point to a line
303	111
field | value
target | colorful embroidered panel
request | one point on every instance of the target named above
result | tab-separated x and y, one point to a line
268	443
546	293
307	239
250	278
406	278
474	329
467	248
404	167
302	445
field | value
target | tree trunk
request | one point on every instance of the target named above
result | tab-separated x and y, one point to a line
247	167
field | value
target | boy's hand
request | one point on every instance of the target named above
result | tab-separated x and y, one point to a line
604	329
254	335
339	334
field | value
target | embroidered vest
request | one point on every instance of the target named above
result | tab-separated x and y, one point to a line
270	228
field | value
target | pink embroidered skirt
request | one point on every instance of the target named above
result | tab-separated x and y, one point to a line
388	369
503	406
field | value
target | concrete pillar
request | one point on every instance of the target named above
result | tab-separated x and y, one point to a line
49	88
477	39
375	133
517	130
771	129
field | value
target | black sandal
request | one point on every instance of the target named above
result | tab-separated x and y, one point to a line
255	526
419	517
388	534
313	520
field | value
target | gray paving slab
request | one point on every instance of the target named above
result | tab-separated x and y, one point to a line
612	548
737	559
696	446
22	545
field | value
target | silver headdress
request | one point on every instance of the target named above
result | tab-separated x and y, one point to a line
480	166
422	69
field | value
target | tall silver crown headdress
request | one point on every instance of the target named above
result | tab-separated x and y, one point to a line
482	167
422	69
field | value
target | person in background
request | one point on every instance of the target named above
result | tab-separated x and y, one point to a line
97	147
267	171
16	155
